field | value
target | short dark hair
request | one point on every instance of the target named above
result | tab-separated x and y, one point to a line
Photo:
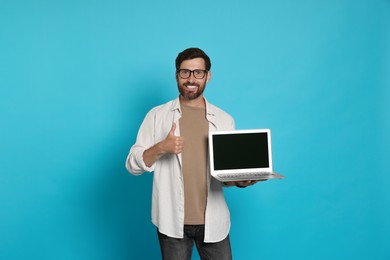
192	53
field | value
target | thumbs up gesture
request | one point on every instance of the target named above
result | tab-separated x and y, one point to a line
170	145
173	144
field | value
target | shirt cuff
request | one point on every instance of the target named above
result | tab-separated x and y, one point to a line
141	163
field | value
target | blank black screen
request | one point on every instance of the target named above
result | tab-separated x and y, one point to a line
240	151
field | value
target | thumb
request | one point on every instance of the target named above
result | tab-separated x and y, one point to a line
173	128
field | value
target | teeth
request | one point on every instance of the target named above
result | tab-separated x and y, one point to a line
191	87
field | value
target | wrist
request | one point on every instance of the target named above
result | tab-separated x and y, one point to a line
160	149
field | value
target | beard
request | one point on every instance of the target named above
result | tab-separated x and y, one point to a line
191	94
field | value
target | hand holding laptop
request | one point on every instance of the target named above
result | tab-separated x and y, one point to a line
242	184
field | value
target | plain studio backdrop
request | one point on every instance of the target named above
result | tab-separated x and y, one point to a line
77	78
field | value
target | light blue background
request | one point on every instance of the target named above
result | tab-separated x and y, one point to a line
77	78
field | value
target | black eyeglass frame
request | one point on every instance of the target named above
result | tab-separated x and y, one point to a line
193	73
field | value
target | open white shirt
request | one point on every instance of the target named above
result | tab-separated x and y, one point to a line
168	187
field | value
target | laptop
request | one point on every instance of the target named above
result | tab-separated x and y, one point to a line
241	155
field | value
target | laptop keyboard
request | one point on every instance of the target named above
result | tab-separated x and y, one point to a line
244	176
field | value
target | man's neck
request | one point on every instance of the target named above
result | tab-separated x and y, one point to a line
198	102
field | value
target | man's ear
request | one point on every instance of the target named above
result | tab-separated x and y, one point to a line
208	76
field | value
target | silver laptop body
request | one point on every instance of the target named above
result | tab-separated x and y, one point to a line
241	155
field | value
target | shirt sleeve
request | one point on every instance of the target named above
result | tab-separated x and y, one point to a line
145	139
233	124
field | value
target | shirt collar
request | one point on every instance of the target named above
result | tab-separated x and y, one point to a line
176	106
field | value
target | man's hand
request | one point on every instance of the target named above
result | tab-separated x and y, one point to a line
170	145
242	184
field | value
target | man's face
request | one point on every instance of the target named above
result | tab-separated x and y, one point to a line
192	88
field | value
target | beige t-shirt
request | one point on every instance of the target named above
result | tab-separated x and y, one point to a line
194	128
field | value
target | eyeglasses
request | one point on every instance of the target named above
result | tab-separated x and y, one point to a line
185	73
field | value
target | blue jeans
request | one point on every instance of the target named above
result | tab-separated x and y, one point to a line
181	248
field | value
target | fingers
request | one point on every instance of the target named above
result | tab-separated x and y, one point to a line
244	184
173	144
178	145
230	183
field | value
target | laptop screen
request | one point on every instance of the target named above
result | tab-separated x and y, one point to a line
234	151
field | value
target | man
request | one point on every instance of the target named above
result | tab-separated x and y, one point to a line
187	203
